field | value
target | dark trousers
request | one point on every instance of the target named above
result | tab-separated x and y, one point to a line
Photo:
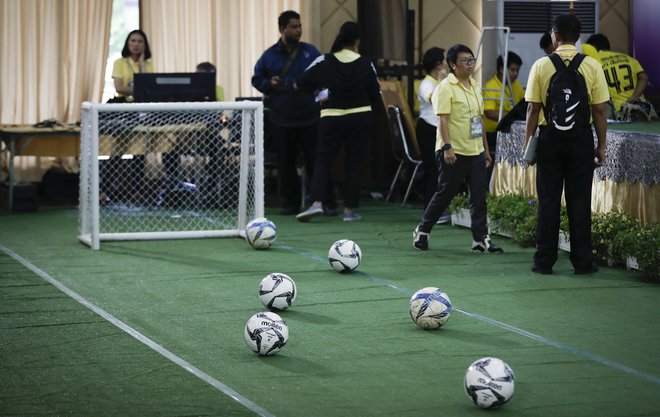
426	136
564	164
354	132
472	170
290	141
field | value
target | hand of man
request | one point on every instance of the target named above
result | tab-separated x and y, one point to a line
450	156
599	156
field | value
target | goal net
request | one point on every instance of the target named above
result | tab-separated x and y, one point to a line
169	170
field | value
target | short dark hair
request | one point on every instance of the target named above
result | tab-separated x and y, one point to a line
546	41
348	34
599	41
452	54
147	51
206	67
285	17
568	26
432	58
512	58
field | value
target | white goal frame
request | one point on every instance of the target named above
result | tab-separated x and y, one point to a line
248	204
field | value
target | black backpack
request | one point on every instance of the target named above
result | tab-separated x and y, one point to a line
567	109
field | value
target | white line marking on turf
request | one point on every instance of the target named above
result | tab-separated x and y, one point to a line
525	333
139	336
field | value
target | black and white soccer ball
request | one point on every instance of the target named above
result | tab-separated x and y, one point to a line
266	333
489	382
430	308
277	291
344	256
261	233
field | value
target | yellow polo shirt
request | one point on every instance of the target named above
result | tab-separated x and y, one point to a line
124	68
493	90
620	70
543	69
452	98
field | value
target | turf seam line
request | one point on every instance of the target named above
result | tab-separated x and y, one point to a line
525	333
225	389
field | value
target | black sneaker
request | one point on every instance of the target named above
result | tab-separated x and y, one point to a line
586	271
543	271
485	245
420	239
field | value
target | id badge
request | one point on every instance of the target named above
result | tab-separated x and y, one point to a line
476	127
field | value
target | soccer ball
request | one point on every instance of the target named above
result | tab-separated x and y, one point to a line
277	291
489	382
261	233
430	308
344	256
266	333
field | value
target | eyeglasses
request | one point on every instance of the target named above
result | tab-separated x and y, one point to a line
467	61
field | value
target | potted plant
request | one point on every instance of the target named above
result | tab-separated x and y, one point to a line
641	246
460	212
607	230
564	238
514	215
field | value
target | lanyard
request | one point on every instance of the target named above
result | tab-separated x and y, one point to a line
467	99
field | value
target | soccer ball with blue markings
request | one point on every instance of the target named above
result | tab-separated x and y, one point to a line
344	256
261	233
277	291
489	382
430	308
266	333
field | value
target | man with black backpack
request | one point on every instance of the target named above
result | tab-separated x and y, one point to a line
571	90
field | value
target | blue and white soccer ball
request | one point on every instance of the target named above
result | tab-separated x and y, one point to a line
266	333
277	291
489	382
261	233
430	308
344	256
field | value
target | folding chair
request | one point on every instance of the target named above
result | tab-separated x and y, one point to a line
403	148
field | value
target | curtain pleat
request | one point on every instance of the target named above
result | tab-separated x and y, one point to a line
231	34
53	57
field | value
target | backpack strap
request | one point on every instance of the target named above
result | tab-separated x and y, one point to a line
576	61
557	62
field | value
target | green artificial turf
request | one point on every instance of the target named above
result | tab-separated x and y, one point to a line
579	345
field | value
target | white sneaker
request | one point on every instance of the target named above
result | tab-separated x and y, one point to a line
485	245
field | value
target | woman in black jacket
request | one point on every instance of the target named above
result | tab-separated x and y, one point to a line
347	87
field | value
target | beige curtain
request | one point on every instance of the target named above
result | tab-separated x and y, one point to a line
53	57
231	34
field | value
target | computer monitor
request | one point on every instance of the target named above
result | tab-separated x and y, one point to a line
167	87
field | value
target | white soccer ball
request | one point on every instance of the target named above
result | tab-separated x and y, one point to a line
277	291
430	308
266	333
489	382
344	256
261	233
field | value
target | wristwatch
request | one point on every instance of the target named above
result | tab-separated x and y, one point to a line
445	147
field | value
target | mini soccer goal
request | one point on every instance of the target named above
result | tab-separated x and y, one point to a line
169	170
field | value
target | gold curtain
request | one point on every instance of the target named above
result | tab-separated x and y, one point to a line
53	57
637	200
232	34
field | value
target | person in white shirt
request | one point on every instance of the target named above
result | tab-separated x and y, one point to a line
426	129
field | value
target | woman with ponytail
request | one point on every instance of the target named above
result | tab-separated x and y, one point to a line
347	87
